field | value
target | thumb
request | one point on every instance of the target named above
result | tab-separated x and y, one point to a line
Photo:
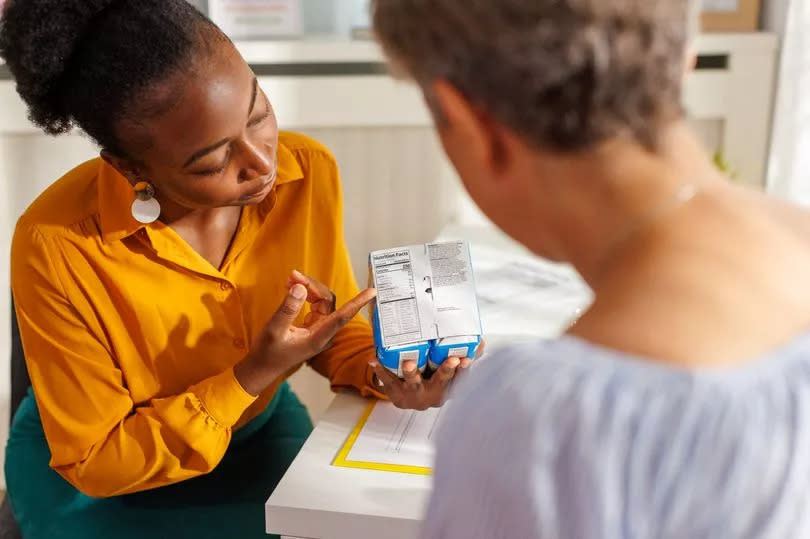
289	310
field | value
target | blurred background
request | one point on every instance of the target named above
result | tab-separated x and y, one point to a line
749	101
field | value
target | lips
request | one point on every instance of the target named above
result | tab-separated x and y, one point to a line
263	190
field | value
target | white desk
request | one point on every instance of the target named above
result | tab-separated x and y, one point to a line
319	501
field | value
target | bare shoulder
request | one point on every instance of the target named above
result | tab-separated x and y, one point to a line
788	214
725	283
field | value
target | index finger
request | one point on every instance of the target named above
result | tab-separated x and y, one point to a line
317	290
328	326
411	374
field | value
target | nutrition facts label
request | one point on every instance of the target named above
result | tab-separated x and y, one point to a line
449	264
425	292
396	298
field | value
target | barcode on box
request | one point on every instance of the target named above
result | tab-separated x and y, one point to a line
410	355
458	352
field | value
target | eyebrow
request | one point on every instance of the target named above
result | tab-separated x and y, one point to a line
208	149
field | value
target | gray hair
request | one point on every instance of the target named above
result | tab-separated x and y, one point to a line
565	74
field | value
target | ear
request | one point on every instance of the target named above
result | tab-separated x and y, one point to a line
126	167
467	129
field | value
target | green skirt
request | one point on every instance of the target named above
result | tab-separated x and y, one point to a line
228	502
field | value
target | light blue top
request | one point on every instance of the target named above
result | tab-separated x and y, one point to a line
564	439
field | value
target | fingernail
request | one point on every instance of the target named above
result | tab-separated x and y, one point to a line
298	292
372	364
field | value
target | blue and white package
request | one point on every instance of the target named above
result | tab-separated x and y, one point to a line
460	347
426	308
393	357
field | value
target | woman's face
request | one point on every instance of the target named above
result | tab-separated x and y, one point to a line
210	138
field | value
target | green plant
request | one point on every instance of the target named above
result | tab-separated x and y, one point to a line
722	164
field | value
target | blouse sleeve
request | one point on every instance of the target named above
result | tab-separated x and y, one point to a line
100	441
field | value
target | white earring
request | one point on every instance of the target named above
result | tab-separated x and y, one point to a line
145	207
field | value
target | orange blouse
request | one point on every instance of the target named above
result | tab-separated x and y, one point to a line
131	336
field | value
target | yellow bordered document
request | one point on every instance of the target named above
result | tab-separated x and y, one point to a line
391	440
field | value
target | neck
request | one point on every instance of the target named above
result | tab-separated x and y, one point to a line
592	201
175	215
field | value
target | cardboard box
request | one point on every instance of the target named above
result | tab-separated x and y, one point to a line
426	308
731	15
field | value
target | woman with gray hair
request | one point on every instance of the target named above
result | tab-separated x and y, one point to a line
679	405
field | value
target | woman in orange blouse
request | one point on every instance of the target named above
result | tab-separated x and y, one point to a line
166	290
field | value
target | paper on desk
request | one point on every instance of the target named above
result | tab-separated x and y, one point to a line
524	295
389	439
392	440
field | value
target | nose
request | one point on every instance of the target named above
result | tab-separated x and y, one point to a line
257	161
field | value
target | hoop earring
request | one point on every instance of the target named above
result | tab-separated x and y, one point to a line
145	208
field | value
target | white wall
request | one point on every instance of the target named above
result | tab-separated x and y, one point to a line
774	15
789	167
5	320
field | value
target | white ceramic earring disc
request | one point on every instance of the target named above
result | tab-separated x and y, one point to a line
146	211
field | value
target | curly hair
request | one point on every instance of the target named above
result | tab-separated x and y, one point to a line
565	74
87	63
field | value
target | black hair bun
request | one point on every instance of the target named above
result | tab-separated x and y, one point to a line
38	38
90	63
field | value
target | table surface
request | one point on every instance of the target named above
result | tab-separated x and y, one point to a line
317	500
